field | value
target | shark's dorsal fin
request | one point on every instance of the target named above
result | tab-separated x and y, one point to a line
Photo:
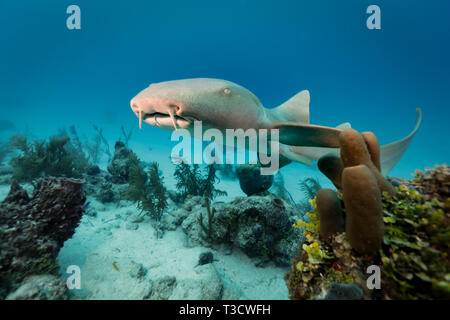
296	109
343	126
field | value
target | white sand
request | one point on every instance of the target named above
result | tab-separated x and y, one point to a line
101	241
98	244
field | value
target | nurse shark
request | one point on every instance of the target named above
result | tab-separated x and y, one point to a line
225	105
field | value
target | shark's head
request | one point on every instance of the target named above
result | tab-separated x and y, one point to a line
177	104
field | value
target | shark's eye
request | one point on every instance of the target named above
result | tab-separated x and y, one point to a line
226	91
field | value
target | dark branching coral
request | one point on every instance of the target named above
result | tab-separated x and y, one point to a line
309	188
126	135
105	143
191	181
93	148
208	230
97	145
56	157
157	190
32	230
147	190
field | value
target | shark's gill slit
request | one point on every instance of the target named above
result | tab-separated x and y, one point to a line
140	118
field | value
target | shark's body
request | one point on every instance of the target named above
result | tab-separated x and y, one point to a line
224	105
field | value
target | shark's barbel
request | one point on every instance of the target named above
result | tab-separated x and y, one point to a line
225	105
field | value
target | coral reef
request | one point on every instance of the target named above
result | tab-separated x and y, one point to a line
149	192
251	180
56	157
261	226
403	231
41	287
413	258
433	183
192	182
123	161
99	186
32	230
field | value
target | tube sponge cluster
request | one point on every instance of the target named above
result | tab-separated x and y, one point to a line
404	230
357	175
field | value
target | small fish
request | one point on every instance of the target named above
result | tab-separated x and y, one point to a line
86	205
115	266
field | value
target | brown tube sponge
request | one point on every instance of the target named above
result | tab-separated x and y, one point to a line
373	147
364	211
354	152
331	166
330	213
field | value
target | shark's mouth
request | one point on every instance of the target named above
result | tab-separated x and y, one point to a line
165	120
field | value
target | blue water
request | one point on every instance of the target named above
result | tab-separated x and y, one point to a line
52	77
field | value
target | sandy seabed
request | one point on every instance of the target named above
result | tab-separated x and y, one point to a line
107	252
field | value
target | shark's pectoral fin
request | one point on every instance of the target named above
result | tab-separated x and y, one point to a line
307	135
287	152
391	153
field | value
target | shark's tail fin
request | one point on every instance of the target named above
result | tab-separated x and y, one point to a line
296	109
303	142
391	153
